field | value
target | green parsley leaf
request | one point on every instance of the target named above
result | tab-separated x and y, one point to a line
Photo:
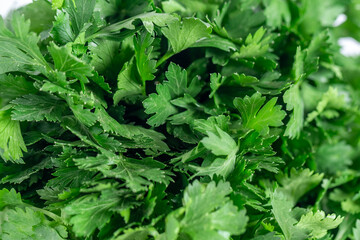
160	120
212	142
11	140
259	119
9	198
37	107
207	212
57	4
136	173
12	87
127	85
64	61
276	12
298	183
144	56
176	86
28	224
91	211
254	46
19	50
356	230
160	105
318	223
294	102
182	34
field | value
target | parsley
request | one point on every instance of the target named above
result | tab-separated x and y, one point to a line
179	119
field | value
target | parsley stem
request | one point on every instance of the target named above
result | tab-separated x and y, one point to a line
165	57
47	213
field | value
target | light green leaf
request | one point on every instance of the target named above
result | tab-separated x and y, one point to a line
294	102
90	212
71	177
219	143
220	166
277	12
80	13
254	46
215	41
298	183
140	233
318	223
182	34
61	30
18	48
9	198
105	55
331	100
269	236
244	80
207	213
11	141
310	224
144	56
356	230
212	123
149	19
177	85
127	84
64	61
100	81
284	215
57	4
160	105
335	154
28	224
216	80
259	119
177	80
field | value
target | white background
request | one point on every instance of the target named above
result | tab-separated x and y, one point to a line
349	46
7	5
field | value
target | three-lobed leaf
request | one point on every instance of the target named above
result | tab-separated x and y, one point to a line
11	141
207	213
257	116
182	34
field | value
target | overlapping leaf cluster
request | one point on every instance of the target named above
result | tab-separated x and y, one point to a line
179	119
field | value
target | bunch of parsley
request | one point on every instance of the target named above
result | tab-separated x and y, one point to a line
179	119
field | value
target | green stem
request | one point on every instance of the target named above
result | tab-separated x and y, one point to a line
47	213
164	58
143	88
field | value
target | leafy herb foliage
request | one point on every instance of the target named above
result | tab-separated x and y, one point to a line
179	120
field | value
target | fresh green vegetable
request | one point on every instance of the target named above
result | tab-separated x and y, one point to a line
179	120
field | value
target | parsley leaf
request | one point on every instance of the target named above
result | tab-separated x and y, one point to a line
176	86
37	107
182	34
207	211
64	61
11	140
160	105
259	119
86	216
22	224
179	119
136	173
19	50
